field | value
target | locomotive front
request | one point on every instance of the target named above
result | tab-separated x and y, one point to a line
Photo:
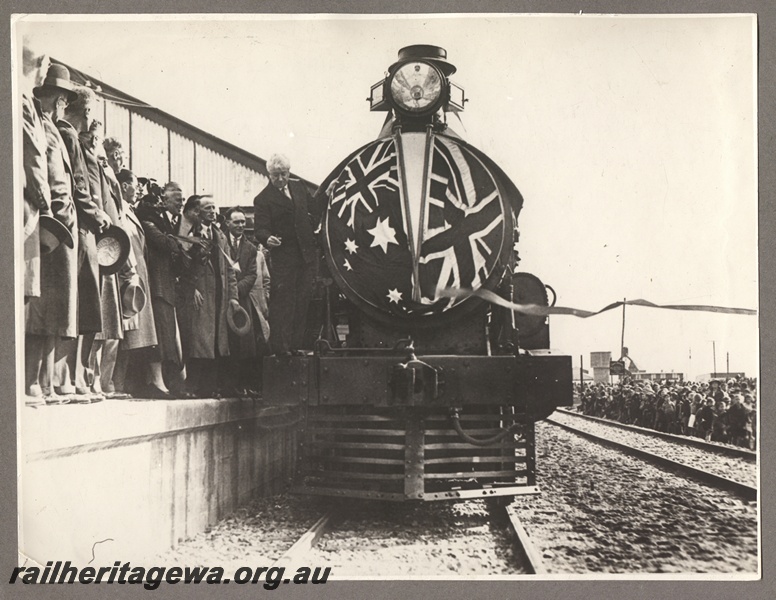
433	393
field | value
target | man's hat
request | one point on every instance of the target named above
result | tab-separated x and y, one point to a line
57	77
133	297
238	319
52	234
112	249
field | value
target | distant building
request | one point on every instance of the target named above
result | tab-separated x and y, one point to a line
604	367
710	376
600	363
161	146
642	376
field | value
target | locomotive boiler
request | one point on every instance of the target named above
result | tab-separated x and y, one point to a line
418	388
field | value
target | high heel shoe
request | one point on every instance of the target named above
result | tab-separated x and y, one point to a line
154	393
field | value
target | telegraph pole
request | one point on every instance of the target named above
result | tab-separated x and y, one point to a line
714	351
622	338
727	362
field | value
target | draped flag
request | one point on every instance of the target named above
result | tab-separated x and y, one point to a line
464	225
397	249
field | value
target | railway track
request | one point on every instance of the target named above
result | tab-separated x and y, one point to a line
641	443
523	543
355	542
600	511
714	447
297	553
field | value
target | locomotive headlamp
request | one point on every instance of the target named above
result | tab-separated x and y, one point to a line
417	88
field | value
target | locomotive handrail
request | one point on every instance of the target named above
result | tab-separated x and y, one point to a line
324	346
454	417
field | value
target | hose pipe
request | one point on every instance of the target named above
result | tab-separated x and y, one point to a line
477	441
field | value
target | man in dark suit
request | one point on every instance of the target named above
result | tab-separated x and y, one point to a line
285	220
163	254
242	348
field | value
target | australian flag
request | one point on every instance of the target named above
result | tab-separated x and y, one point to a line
455	244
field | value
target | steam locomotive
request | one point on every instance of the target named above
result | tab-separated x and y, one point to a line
418	388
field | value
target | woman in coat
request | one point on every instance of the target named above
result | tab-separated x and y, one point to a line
102	357
140	329
52	316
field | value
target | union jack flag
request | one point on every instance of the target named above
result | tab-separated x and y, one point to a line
369	227
357	186
463	228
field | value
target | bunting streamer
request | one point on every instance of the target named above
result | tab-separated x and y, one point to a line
538	310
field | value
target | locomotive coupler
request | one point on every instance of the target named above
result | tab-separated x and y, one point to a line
415	383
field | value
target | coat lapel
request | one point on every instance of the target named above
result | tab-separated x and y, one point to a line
281	200
130	213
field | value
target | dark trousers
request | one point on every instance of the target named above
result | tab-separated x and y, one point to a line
202	375
291	289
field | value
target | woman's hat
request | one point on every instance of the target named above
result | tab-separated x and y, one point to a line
112	249
133	297
238	319
52	234
57	77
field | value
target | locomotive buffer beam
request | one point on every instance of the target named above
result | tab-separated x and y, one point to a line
536	383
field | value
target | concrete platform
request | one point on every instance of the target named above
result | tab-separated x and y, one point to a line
127	480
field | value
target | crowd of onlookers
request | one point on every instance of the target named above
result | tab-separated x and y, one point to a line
719	410
184	309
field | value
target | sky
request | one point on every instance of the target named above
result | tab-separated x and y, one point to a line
632	140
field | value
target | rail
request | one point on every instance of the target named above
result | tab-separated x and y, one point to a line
307	541
747	492
748	455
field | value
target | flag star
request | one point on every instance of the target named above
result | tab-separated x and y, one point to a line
384	234
350	246
394	296
347	265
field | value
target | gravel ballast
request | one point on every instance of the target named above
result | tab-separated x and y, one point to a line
438	539
717	462
601	511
